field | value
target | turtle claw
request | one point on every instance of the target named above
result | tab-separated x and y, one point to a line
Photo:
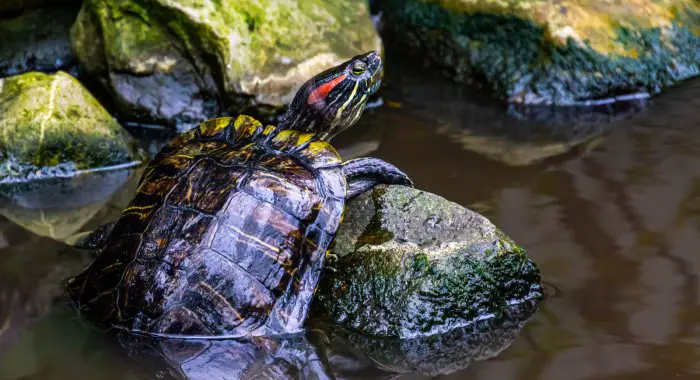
330	260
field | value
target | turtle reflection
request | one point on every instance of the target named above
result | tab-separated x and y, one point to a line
259	357
325	352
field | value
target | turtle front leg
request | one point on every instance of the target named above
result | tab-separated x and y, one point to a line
365	173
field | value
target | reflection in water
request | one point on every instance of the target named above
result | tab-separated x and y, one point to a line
263	358
58	208
353	354
32	269
514	135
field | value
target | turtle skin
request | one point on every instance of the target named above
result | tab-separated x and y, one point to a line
226	236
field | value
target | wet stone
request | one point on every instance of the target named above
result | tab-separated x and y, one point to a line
440	268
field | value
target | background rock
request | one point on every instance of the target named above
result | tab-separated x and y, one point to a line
37	41
178	62
50	126
563	53
414	264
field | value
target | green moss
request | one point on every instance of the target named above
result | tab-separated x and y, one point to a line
50	125
516	57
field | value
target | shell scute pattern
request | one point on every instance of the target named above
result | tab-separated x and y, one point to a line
226	235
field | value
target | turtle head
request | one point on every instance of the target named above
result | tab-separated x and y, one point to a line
333	100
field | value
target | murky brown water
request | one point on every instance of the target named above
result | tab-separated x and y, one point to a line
614	225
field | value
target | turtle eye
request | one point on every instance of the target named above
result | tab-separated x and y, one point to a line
358	67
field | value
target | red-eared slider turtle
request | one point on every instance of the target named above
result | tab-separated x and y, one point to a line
231	222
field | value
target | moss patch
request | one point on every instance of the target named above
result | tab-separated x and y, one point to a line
51	126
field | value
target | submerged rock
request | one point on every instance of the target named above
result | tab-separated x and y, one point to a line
50	126
538	52
412	264
178	62
37	41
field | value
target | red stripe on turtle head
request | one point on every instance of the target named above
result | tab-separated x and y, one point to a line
321	92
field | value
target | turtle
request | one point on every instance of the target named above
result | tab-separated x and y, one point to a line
231	223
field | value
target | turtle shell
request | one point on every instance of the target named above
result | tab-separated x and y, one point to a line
227	235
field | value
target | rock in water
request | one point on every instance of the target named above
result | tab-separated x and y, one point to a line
50	126
412	264
563	53
37	41
179	62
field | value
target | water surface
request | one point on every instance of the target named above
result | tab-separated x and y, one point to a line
607	204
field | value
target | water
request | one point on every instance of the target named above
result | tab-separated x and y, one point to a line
607	204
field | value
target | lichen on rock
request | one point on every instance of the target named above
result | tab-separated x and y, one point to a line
538	52
179	62
411	264
51	126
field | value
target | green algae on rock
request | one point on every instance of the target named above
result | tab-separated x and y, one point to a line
538	52
37	41
51	126
411	264
178	62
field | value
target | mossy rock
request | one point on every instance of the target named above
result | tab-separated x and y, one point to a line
538	52
37	41
178	62
51	126
413	264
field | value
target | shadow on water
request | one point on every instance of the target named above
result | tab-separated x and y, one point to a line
607	204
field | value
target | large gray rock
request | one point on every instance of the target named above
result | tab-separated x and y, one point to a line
37	41
179	62
411	264
51	126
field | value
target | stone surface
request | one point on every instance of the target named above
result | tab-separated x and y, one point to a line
413	264
538	52
51	126
37	41
178	62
